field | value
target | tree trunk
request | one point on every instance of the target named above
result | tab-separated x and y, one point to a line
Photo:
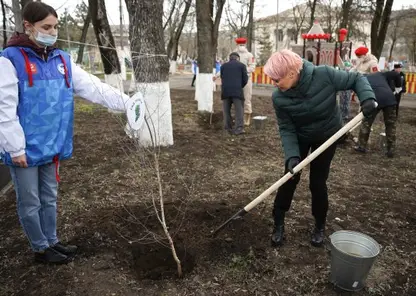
17	12
172	10
204	87
346	10
3	9
312	4
391	50
204	36
151	69
250	26
215	29
173	53
207	38
379	26
83	38
104	36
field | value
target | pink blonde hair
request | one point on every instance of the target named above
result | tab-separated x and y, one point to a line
281	63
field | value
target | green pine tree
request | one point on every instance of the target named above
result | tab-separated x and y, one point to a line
266	47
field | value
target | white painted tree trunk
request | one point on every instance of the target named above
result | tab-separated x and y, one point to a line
173	67
121	56
116	81
132	87
158	115
204	92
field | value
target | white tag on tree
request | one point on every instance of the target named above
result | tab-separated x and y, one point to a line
136	112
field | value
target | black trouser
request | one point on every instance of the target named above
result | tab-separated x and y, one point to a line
319	172
239	113
398	98
193	80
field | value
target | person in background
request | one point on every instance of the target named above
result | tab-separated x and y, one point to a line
308	114
345	99
234	77
248	60
385	86
398	69
366	62
37	86
194	71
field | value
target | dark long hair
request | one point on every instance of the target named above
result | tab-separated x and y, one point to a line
36	11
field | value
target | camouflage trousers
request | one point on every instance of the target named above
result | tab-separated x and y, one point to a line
390	119
344	105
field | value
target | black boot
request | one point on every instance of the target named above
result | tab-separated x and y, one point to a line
390	150
51	256
68	250
279	228
318	235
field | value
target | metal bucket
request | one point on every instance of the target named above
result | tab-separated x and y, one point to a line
259	122
352	257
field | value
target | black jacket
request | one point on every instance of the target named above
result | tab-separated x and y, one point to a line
403	79
233	78
384	84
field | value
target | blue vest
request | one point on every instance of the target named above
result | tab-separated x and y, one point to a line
46	104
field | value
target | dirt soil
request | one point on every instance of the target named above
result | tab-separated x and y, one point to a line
105	207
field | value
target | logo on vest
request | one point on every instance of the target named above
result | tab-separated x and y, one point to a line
33	68
61	68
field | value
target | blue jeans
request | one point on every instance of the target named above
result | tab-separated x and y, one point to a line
36	191
344	105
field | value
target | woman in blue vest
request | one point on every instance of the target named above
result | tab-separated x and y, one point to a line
37	85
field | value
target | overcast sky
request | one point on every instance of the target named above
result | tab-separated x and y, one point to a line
263	7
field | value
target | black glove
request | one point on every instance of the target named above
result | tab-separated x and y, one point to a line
292	163
368	107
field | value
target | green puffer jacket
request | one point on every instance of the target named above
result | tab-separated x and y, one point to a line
308	112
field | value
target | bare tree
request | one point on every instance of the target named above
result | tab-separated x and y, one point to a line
250	25
237	17
299	17
393	33
188	38
312	5
3	10
207	22
332	15
85	15
151	70
172	10
379	25
17	12
151	67
207	32
346	12
104	36
173	44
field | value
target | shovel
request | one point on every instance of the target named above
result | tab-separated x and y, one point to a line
354	123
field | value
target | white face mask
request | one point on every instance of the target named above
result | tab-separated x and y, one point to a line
45	39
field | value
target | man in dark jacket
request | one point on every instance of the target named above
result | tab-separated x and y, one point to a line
384	86
398	69
233	77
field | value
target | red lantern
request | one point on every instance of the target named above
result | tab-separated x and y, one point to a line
342	34
343	31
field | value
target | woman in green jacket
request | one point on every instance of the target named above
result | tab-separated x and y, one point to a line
308	114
